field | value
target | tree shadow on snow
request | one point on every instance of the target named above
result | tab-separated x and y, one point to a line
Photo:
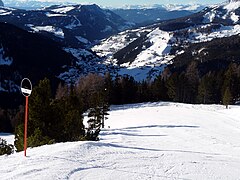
151	149
163	126
130	134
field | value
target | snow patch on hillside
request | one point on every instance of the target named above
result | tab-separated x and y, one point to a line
4	60
82	67
111	45
58	32
154	55
75	23
180	7
234	17
81	39
63	10
54	15
4	12
209	17
149	62
224	31
232	6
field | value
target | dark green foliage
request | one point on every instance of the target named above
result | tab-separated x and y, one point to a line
177	87
144	92
192	76
227	97
5	123
5	148
95	115
159	89
206	89
95	90
19	137
172	86
92	134
124	90
189	87
38	139
52	120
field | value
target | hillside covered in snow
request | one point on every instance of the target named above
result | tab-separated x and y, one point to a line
144	52
143	141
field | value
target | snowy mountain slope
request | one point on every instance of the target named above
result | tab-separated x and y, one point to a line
151	51
25	54
87	21
73	27
143	142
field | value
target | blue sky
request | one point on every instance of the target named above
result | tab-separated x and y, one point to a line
119	3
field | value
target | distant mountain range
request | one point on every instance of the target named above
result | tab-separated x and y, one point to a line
145	52
52	42
31	4
74	27
140	14
67	22
145	14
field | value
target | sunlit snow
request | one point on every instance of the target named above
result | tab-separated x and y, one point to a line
63	9
56	31
154	55
3	12
232	6
54	15
143	141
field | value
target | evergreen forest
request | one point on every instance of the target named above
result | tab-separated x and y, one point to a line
56	115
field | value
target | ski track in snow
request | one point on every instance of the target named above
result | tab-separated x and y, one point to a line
143	141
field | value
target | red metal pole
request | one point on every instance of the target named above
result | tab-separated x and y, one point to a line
25	129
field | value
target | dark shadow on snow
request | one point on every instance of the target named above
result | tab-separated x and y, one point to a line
150	149
129	134
164	126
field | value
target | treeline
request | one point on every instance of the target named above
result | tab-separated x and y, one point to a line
187	86
219	87
57	116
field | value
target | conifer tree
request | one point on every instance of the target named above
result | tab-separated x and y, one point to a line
159	90
227	98
171	86
192	78
208	89
5	148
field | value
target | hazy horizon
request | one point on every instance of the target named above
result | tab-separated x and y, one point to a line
111	3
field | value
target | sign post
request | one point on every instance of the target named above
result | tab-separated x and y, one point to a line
26	88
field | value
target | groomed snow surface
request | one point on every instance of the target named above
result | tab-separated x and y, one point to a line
143	141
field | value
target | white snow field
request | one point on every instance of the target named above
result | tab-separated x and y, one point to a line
144	141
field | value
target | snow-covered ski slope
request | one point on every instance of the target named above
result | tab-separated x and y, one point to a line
143	141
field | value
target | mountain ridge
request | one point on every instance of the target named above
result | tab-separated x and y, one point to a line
148	53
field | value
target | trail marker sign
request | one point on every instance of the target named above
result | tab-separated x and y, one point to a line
26	88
